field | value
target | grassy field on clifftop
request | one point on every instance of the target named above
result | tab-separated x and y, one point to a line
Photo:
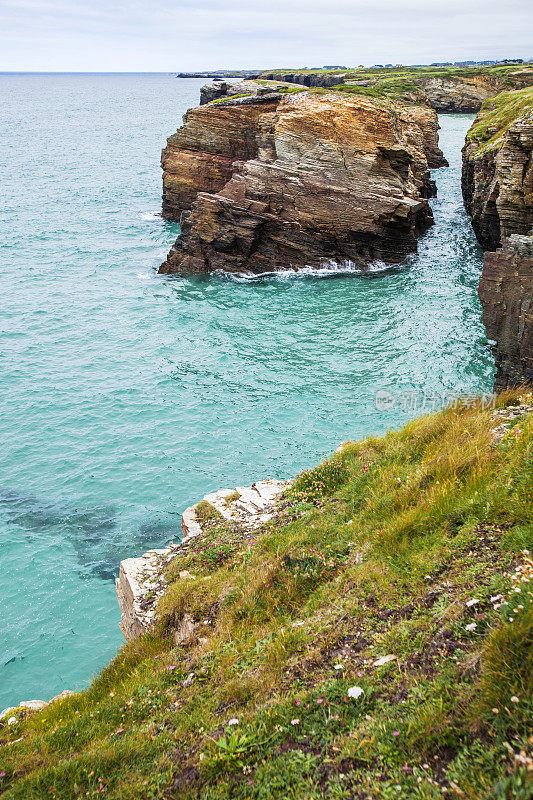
373	641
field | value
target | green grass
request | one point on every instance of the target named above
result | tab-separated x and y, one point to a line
376	552
496	117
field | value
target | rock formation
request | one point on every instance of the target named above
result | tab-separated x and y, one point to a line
277	181
506	294
498	194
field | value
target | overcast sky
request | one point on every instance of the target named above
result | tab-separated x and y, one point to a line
173	35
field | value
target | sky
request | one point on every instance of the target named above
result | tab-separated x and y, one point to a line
188	35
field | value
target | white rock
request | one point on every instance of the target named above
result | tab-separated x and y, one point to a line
384	660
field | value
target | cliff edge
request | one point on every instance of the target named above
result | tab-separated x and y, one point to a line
498	195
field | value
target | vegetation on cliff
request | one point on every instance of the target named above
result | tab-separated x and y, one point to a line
374	640
495	118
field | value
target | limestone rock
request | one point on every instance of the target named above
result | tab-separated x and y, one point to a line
315	178
142	581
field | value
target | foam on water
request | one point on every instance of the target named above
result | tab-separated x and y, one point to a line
127	395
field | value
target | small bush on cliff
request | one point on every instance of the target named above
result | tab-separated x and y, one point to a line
368	642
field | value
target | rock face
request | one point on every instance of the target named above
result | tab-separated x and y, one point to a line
498	194
142	581
464	95
286	181
200	157
506	294
498	176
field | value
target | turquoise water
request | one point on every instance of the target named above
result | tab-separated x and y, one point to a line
126	395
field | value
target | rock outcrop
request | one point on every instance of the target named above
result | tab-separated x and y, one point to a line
143	580
285	181
200	157
498	195
498	169
506	294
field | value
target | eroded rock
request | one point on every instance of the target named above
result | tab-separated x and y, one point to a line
498	194
314	178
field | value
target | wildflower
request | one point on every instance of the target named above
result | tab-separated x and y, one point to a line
514	699
396	733
355	692
495	711
295	721
2	774
233	721
297	702
474	601
471	626
319	700
338	666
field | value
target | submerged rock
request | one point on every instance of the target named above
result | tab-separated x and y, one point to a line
274	182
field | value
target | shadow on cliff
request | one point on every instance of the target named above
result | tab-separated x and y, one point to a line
99	540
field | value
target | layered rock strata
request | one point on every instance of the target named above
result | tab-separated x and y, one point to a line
143	580
498	195
287	181
506	294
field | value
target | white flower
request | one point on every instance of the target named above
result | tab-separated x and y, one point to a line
338	666
514	699
474	601
470	627
495	598
355	692
295	721
233	721
12	721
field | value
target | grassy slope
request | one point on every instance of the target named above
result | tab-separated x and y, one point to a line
496	117
377	552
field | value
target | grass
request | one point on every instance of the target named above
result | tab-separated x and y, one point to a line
409	546
496	117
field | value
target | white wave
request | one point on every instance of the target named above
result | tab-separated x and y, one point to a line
329	269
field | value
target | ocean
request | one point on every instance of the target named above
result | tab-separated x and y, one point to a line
126	396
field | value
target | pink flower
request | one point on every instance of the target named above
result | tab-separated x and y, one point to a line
2	774
396	733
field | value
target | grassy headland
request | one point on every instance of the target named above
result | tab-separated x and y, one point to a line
496	117
373	641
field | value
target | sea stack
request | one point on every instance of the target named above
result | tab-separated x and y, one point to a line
276	180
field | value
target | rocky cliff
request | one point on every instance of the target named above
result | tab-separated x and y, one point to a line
506	294
277	181
498	195
447	90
